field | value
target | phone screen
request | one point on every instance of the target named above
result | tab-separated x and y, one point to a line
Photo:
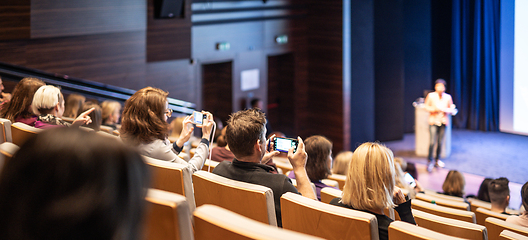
410	180
198	118
284	144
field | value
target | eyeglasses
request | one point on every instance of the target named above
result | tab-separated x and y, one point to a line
168	112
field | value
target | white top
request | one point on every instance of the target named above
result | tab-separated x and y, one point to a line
521	220
439	108
163	150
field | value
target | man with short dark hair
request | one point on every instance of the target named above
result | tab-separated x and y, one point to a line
499	193
245	135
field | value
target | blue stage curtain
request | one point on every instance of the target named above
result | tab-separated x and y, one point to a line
475	63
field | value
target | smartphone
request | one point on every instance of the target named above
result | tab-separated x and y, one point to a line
410	180
284	144
198	118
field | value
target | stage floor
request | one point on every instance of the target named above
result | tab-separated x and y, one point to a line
479	155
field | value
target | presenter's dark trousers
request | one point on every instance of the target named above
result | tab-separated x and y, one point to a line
436	134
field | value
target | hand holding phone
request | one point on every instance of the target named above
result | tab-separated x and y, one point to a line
284	144
198	118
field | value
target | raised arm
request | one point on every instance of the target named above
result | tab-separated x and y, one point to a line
298	161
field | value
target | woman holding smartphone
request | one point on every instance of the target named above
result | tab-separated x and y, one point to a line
144	125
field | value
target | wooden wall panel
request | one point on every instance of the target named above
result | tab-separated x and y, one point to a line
216	89
168	39
281	98
54	18
14	19
176	77
114	58
325	74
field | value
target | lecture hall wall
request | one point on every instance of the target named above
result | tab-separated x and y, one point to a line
120	43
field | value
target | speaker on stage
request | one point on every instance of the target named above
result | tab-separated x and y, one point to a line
168	8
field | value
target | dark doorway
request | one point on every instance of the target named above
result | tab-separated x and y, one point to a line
217	89
281	92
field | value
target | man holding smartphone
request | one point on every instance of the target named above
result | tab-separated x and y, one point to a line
245	135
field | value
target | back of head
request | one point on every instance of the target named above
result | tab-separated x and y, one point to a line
499	190
109	107
483	193
46	98
176	126
19	106
318	149
221	140
454	184
244	128
524	195
342	162
95	115
143	116
370	178
66	183
73	105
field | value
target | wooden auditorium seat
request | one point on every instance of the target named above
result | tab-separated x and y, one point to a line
330	182
475	203
399	230
327	194
340	179
21	132
171	177
210	163
443	196
250	200
443	202
107	129
482	214
167	217
5	130
213	222
441	211
7	150
509	235
450	226
294	183
315	218
495	226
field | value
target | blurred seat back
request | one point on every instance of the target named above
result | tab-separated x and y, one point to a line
450	226
482	214
250	200
327	194
213	222
495	226
340	179
405	231
315	218
443	202
443	196
21	132
210	164
475	203
171	177
509	235
441	211
5	130
168	216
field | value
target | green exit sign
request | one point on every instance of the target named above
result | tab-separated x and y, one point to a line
281	39
223	46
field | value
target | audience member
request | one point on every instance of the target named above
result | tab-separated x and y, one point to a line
483	193
246	137
406	177
65	183
341	163
402	183
522	219
4	97
499	193
221	152
95	115
145	126
370	186
49	104
73	105
111	111
319	162
454	184
19	108
258	104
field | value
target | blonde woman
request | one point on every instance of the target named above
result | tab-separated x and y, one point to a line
454	184
341	162
111	113
370	186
